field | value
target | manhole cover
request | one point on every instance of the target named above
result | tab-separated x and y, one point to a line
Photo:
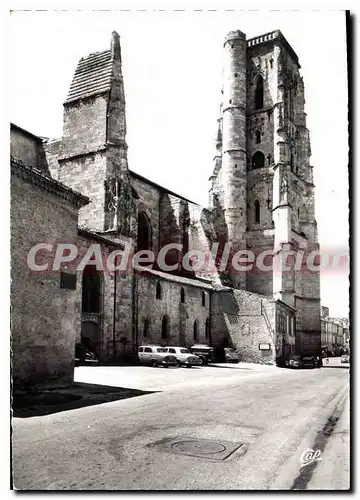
204	448
198	447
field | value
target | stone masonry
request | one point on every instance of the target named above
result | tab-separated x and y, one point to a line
261	198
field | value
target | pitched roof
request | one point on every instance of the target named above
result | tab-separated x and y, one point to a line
92	76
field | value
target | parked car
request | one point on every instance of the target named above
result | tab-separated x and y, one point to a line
293	362
310	362
84	357
155	355
183	356
204	352
345	358
231	356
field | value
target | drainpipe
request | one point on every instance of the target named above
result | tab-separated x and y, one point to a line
114	318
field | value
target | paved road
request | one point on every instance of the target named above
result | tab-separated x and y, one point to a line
275	413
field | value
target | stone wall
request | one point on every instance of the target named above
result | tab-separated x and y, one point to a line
28	148
85	125
45	319
86	174
181	315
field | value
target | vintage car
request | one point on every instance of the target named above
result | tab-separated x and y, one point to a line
183	356
310	362
293	362
204	352
155	355
84	357
345	358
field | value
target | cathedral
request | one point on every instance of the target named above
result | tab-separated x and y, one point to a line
80	190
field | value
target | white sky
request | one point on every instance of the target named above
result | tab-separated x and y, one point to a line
172	64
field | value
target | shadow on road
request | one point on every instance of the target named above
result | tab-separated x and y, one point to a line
45	402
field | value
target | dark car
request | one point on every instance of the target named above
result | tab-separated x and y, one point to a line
204	352
310	362
84	357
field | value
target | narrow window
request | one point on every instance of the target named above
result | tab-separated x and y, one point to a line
257	211
158	290
165	327
146	327
207	328
259	94
196	333
203	299
258	136
182	296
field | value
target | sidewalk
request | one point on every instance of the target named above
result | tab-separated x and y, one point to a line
333	471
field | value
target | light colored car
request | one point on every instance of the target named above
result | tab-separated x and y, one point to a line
183	356
345	358
293	362
155	355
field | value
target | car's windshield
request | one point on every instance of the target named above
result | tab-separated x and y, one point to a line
160	350
184	351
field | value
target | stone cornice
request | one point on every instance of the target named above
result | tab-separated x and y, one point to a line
34	176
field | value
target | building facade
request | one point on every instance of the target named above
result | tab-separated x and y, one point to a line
261	198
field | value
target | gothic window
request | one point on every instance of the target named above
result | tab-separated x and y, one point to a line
207	328
259	93
144	232
165	327
182	296
258	136
203	299
257	211
196	331
146	327
298	213
158	290
258	160
91	290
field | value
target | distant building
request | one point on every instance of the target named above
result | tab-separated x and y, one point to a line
334	333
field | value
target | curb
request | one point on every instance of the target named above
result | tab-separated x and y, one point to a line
292	470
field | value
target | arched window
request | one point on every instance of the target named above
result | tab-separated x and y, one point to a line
165	327
203	298
258	160
258	136
144	236
146	327
259	93
158	290
196	331
207	328
182	296
91	283
257	211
